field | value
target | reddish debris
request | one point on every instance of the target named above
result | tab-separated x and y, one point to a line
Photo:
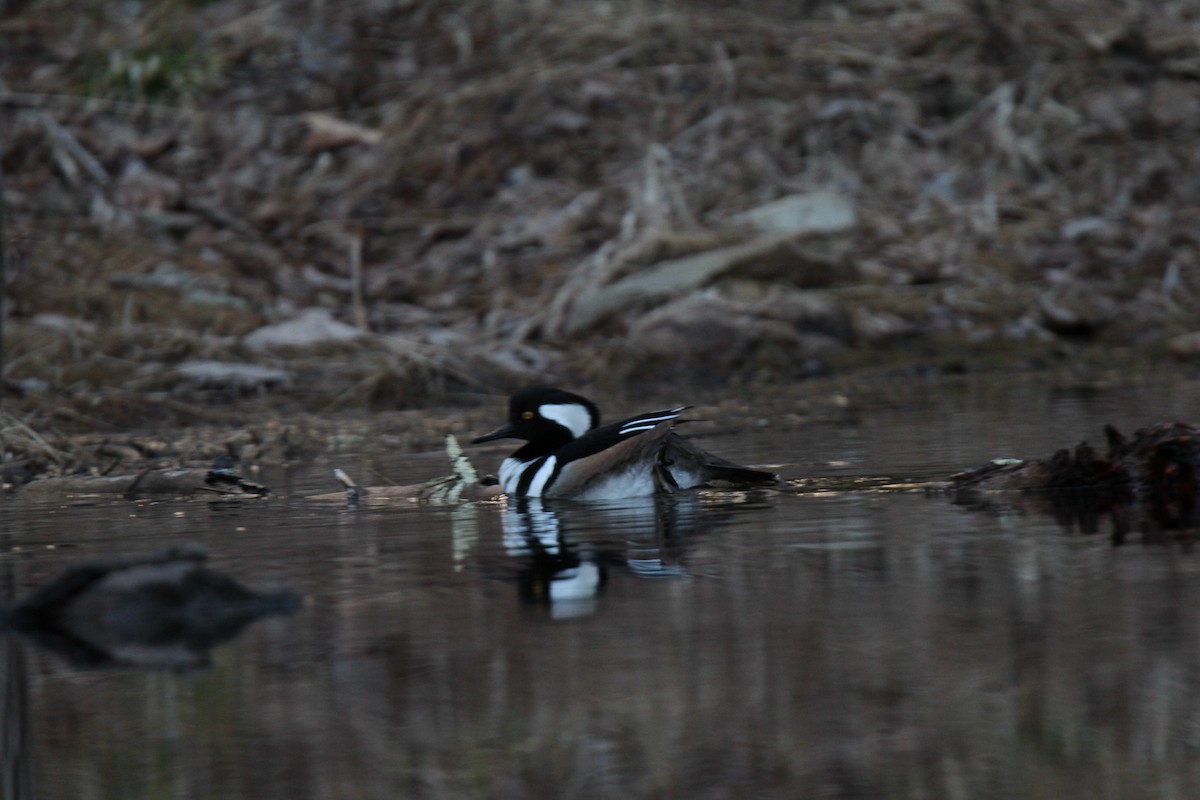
1159	467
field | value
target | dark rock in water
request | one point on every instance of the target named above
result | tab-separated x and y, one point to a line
159	610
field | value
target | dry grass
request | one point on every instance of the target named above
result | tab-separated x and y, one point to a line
492	161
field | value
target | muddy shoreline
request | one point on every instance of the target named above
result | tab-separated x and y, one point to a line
53	440
220	241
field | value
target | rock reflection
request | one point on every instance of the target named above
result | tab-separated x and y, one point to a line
16	770
159	610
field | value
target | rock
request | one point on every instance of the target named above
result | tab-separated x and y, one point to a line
25	386
810	214
139	187
326	132
564	122
311	327
774	254
1075	312
174	221
672	278
1173	105
159	610
553	225
208	297
61	322
1083	227
232	374
1115	109
808	312
1186	346
165	275
881	326
812	264
719	333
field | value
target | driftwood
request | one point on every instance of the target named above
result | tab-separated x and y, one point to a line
156	610
1156	470
463	483
439	490
178	482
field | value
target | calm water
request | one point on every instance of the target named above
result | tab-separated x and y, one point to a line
849	645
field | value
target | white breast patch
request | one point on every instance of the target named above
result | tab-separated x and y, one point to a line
541	476
512	470
510	475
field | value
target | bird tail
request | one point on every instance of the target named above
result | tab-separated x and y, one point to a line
723	472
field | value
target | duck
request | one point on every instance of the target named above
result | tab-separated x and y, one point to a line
568	454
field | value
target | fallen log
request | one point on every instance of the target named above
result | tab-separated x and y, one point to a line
175	481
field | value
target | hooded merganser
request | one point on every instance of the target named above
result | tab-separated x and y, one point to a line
567	455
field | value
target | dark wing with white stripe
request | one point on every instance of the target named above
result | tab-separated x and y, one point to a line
585	470
644	422
600	439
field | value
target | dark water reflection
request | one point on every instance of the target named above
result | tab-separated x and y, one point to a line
848	645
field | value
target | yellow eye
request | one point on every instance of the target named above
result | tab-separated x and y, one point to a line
527	415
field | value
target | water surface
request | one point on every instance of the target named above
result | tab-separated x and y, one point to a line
850	644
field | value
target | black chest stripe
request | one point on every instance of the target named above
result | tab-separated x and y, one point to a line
530	471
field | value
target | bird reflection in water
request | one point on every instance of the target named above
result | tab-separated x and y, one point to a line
563	576
568	548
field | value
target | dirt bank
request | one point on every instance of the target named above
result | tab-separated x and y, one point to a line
218	209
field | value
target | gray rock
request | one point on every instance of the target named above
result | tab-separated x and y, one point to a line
809	264
165	275
1075	311
1083	227
810	214
708	329
671	278
881	326
1186	346
61	322
311	327
775	254
232	374
207	297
